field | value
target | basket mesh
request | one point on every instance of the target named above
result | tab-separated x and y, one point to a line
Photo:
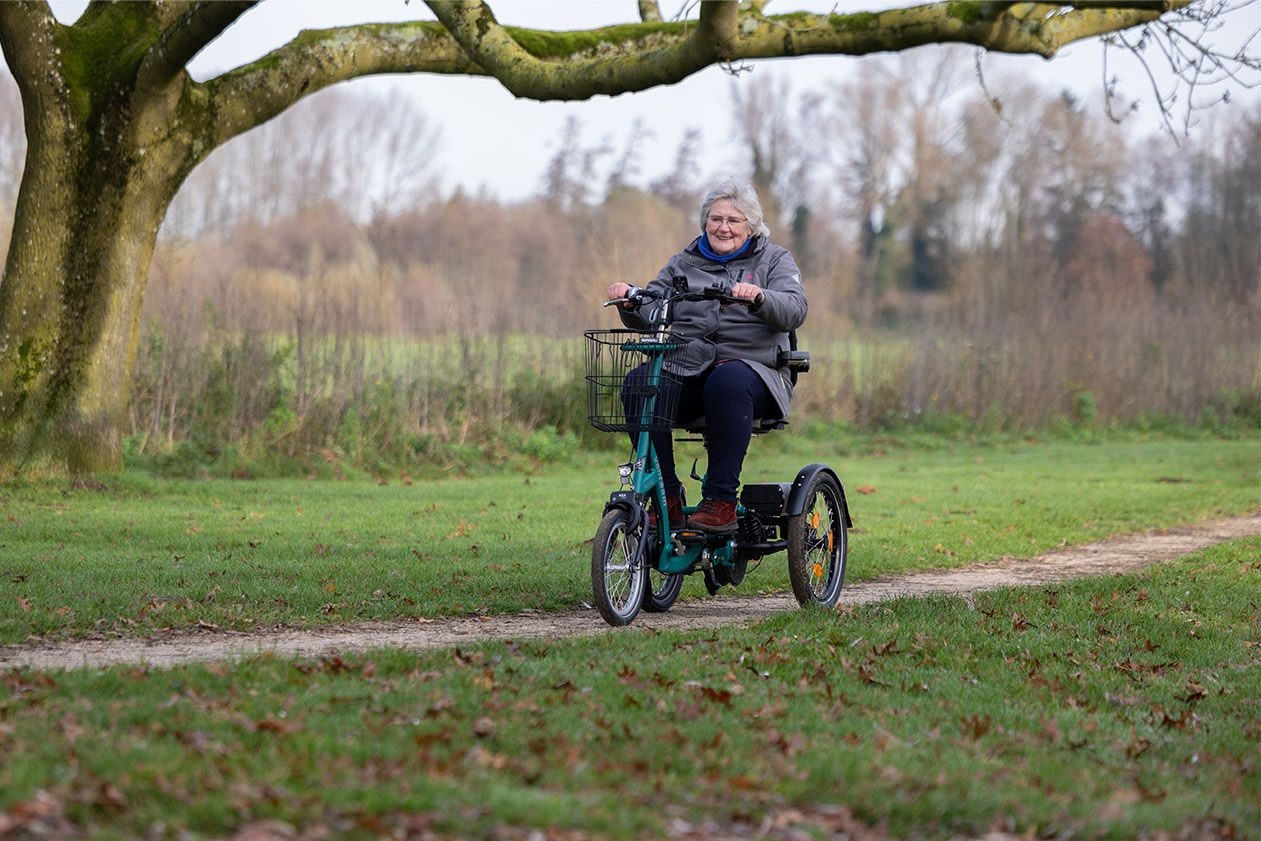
617	381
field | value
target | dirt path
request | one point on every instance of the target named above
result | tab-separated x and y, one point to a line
1118	554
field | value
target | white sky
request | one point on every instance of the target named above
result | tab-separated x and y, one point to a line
491	140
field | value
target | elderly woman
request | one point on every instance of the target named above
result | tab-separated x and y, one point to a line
728	369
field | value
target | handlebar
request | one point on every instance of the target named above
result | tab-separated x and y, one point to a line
638	296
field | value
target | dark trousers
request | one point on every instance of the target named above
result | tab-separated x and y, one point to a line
729	396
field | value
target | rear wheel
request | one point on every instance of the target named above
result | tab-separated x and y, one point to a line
618	576
663	590
818	544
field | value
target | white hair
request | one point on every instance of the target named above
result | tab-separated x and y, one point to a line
744	197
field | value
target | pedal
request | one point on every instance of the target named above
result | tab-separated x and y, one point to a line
696	537
691	537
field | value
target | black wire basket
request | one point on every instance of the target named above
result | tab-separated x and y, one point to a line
618	381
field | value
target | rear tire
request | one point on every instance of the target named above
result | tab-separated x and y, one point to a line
662	591
618	574
818	544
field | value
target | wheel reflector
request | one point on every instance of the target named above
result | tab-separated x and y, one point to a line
814	520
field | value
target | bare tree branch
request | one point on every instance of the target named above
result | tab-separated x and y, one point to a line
1197	64
649	11
28	36
642	56
195	26
315	59
545	65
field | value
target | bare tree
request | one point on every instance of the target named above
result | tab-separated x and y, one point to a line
363	151
570	178
763	122
678	186
627	164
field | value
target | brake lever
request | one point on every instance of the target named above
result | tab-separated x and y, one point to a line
722	297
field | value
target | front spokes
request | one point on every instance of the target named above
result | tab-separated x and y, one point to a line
617	570
621	570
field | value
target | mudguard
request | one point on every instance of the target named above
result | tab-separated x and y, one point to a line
627	501
797	493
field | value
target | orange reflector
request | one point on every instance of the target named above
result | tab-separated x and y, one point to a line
814	520
818	570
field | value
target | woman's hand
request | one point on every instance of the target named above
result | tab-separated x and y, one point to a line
618	291
747	292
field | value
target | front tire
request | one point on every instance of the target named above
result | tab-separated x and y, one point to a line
618	574
818	544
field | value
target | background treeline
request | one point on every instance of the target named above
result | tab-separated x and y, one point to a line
997	257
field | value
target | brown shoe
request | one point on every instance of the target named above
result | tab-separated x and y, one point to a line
716	516
674	509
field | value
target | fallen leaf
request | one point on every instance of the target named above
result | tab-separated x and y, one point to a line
1152	795
110	796
866	489
866	675
1179	723
275	725
1194	692
266	830
1136	746
977	726
39	817
720	696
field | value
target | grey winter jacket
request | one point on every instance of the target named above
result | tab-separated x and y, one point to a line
752	335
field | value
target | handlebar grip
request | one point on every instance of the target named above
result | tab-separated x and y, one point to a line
636	296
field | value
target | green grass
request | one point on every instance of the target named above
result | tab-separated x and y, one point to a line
145	555
1108	708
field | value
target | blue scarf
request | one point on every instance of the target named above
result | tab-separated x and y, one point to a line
702	245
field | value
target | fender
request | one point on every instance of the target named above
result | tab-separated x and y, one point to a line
797	493
628	502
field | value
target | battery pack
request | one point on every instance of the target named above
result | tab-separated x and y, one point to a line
765	499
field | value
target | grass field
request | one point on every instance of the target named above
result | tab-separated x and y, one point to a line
143	555
1118	707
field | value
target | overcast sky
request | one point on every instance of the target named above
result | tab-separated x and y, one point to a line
491	140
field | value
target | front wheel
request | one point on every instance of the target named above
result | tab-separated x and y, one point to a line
818	544
618	575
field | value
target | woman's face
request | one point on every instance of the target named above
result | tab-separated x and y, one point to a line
726	227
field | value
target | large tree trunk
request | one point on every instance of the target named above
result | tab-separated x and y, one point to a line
70	302
105	153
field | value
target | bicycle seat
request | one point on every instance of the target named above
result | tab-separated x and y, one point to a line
696	426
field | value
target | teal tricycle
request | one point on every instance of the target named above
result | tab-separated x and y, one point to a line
639	561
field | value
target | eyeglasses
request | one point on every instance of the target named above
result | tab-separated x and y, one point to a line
732	221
